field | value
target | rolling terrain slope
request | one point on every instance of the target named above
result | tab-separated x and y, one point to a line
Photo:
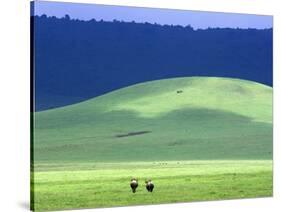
192	118
198	138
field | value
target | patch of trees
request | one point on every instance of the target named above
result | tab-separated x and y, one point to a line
76	60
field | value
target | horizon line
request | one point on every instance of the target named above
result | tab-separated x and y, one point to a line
151	23
196	19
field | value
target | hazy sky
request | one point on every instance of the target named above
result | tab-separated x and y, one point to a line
160	16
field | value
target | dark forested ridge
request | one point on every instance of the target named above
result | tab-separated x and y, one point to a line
75	60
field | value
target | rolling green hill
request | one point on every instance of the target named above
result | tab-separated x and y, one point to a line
198	138
193	118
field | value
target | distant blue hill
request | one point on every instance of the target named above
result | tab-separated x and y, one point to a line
76	60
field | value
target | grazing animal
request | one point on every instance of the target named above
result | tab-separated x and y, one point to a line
134	184
180	91
149	185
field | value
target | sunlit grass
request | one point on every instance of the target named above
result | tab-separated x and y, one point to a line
211	141
107	184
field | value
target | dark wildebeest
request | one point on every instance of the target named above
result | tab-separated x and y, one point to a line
149	185
134	184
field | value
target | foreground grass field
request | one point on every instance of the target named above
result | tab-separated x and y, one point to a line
198	138
66	186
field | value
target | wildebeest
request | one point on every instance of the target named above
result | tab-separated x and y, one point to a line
149	185
134	184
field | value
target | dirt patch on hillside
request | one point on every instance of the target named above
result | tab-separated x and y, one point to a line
132	134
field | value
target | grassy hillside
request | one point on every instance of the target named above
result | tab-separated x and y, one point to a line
198	138
138	52
193	118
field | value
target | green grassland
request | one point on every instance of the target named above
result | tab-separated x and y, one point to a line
198	138
107	184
